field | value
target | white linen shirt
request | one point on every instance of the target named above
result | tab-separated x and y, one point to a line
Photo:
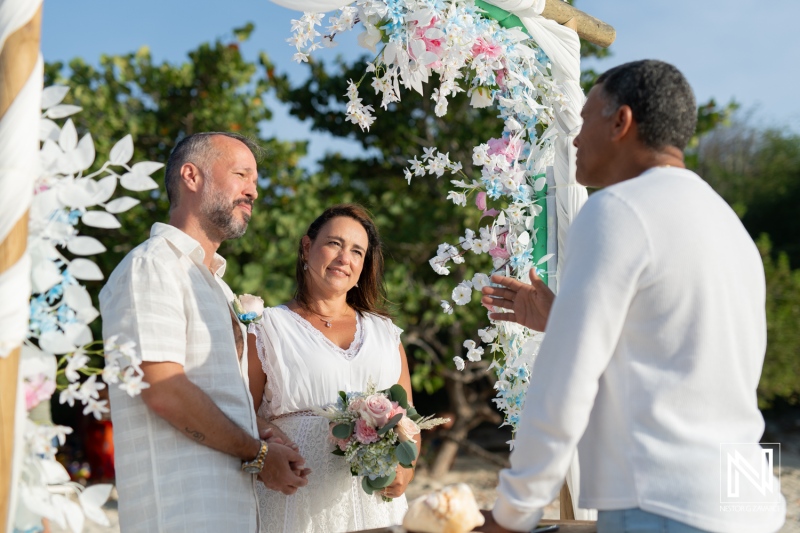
163	297
652	357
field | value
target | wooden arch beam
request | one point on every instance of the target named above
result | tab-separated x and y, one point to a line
588	27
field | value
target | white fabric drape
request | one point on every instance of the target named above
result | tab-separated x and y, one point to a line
562	46
19	158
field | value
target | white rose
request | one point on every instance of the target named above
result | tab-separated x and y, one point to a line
481	97
252	304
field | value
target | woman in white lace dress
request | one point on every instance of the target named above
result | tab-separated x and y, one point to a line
334	335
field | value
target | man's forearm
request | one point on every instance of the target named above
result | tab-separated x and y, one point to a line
184	405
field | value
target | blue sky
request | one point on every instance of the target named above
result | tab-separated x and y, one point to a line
733	49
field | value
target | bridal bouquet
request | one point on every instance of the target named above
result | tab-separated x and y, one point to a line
374	431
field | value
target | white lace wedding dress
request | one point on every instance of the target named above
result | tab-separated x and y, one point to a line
305	370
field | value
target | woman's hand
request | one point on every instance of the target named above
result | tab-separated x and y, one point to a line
403	477
271	433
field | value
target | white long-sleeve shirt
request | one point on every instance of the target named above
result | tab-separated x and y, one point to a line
653	352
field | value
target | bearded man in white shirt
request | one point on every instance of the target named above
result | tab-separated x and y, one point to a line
655	343
187	450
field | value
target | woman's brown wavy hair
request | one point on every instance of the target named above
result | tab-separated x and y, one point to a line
370	295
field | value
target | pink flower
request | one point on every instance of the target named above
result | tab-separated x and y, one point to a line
357	405
376	410
499	251
480	201
490	50
365	434
509	148
407	429
38	389
396	410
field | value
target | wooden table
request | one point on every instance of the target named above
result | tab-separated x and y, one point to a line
564	526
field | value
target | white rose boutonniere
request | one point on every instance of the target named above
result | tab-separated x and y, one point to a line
248	308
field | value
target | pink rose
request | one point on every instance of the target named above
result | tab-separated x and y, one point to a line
499	251
365	434
396	410
407	429
377	408
356	405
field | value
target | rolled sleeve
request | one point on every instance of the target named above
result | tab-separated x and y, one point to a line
145	304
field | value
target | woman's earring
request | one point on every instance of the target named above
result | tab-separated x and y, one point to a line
305	266
356	284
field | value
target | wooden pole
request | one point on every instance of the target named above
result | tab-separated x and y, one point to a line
589	28
17	60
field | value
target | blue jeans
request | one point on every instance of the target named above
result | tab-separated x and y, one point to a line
638	521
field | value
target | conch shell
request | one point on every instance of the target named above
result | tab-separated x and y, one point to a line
450	510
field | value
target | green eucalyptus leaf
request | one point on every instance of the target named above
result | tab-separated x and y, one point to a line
398	394
342	431
338	452
406	452
366	486
381	482
390	424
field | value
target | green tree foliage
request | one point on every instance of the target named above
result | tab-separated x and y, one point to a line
217	89
758	173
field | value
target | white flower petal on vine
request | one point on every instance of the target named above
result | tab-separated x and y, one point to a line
85	270
48	130
479	281
75	363
458	198
132	383
469	344
84	245
475	354
446	307
459	363
487	335
100	219
97	408
53	95
462	294
77	297
439	266
369	38
70	394
91	388
92	500
55	342
122	204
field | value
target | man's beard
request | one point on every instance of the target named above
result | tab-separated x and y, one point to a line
218	216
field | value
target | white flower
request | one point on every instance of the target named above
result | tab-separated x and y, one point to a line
90	388
428	153
369	37
462	294
132	383
459	198
474	353
487	335
70	394
438	266
300	57
96	408
417	166
75	362
252	304
407	175
479	281
447	308
459	362
481	97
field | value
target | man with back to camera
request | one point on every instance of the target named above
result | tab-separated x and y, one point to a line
656	340
187	450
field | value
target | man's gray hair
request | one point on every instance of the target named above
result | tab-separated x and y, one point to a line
197	149
660	98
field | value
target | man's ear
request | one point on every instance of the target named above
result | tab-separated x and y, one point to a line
623	123
191	177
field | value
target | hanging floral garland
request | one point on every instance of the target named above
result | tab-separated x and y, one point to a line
499	65
57	353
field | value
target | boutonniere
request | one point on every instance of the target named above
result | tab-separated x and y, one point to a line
248	308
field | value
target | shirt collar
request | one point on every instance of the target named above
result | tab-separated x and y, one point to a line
188	246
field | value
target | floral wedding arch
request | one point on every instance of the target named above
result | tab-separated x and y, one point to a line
504	53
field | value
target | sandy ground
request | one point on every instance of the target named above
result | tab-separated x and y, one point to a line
481	476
